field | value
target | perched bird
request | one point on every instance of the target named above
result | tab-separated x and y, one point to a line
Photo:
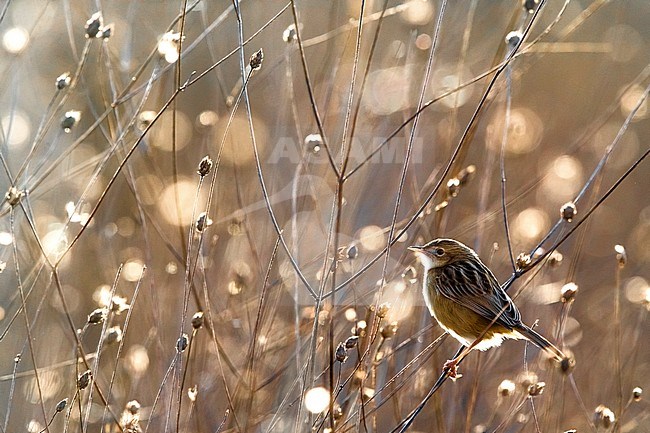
467	301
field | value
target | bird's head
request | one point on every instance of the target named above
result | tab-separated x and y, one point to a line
442	252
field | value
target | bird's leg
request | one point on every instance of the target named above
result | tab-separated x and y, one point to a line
451	365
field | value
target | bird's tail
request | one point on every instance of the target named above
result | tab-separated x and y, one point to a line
541	342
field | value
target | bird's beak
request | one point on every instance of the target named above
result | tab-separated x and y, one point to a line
416	248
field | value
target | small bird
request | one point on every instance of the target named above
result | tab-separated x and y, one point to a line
467	301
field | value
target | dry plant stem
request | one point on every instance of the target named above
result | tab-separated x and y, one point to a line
474	394
181	386
11	392
100	344
177	72
310	90
120	347
502	164
28	328
250	367
219	349
617	347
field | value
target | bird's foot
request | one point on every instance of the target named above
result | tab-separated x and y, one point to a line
451	368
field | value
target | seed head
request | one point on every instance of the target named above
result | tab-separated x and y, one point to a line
523	261
203	222
621	255
506	388
97	316
536	389
84	379
60	406
555	258
197	320
256	60
70	118
113	335
13	196
314	143
360	328
63	80
513	38
133	407
453	187
567	364
636	393
341	353
94	25
603	416
181	343
389	330
530	5
383	309
568	211
289	34
568	292
205	166
192	392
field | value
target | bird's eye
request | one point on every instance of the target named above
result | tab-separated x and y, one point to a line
439	252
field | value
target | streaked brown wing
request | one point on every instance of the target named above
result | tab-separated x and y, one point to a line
471	284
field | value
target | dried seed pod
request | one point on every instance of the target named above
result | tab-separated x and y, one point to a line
13	196
63	80
506	388
567	364
133	407
389	330
205	166
453	187
555	258
289	34
203	222
523	261
181	343
341	353
197	320
113	335
351	342
383	309
314	143
97	316
256	60
60	406
513	38
604	416
621	255
84	379
536	389
529	5
94	25
70	118
568	292
192	392
636	393
568	211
